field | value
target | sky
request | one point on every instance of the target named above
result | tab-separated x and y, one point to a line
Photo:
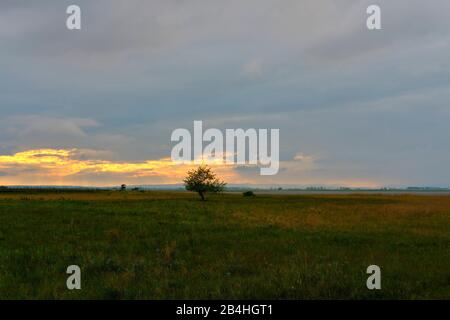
97	106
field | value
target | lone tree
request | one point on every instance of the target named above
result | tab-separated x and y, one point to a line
203	180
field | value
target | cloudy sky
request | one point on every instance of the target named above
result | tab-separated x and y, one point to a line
97	106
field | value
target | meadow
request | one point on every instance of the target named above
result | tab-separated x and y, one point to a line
170	245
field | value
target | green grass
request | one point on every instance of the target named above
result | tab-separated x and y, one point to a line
170	245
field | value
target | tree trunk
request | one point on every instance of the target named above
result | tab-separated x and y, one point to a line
201	195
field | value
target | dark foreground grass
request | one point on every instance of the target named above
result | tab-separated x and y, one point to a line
169	245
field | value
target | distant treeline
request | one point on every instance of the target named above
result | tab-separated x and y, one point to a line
47	189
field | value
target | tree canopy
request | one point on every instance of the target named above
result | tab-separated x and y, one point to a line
203	180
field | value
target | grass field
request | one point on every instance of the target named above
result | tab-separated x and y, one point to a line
170	245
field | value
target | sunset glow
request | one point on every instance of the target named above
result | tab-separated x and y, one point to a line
83	167
62	166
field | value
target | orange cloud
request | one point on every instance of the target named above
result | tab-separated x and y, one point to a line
62	166
87	168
